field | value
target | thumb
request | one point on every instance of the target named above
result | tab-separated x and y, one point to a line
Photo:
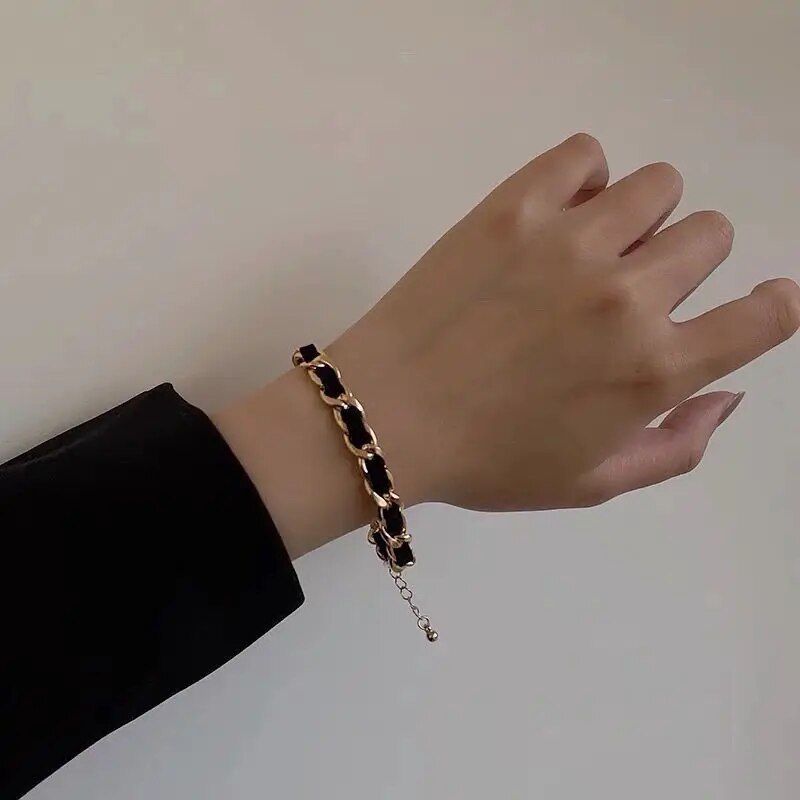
654	455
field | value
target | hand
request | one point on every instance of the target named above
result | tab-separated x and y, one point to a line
519	363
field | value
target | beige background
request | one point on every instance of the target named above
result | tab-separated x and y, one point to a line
189	189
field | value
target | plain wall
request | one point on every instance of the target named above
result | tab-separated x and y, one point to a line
190	189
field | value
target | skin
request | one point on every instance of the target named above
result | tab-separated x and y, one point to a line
520	363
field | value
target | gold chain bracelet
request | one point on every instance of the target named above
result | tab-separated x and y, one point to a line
388	531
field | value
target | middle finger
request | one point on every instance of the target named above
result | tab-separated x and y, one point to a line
620	215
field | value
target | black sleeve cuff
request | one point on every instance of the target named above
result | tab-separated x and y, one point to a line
138	558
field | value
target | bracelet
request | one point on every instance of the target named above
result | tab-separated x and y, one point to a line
387	532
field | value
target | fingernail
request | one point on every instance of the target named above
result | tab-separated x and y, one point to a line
730	408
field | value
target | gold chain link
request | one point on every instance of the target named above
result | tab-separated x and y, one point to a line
397	542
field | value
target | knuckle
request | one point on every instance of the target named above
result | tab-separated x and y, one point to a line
587	143
507	221
652	377
576	242
616	296
784	306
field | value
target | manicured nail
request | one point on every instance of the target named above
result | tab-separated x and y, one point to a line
730	408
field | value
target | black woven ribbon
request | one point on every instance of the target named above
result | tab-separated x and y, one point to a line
391	518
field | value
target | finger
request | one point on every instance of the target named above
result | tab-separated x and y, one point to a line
657	454
628	209
677	260
647	235
730	336
582	195
567	174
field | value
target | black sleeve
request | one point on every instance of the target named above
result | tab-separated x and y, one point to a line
136	557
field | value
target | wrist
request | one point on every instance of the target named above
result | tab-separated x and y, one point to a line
290	446
291	450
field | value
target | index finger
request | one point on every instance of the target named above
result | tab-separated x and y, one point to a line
563	175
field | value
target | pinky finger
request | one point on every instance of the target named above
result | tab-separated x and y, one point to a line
728	337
